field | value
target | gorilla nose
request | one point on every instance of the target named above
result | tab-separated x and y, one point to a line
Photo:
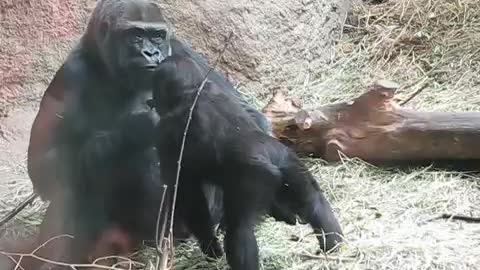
152	57
150	53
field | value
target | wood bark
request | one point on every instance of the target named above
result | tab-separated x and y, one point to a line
373	127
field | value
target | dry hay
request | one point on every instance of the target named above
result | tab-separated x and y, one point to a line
385	213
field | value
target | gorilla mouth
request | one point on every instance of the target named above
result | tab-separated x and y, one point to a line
151	67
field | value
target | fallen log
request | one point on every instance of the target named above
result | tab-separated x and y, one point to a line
373	127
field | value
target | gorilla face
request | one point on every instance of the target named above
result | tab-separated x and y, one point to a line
142	49
136	43
137	50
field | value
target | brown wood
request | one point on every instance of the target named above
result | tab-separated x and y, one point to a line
375	128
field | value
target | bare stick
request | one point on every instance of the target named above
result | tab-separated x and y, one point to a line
167	249
467	219
414	94
11	256
324	257
187	125
158	241
18	209
162	250
72	266
122	262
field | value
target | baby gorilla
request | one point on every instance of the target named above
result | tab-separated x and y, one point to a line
225	146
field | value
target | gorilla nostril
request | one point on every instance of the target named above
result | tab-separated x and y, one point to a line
150	53
147	53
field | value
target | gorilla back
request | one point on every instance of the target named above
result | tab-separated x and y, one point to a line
225	146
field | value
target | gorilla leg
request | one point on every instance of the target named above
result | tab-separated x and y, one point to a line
281	211
193	206
88	223
240	243
318	213
247	197
310	204
117	207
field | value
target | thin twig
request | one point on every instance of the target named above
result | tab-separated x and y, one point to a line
51	240
467	219
163	262
45	260
29	200
32	255
182	148
325	257
124	261
414	94
158	242
161	248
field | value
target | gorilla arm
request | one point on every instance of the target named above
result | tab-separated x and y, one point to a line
43	158
42	136
61	129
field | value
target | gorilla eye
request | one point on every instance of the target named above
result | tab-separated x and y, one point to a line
137	38
161	34
134	35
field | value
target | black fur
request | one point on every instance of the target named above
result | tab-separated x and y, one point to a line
228	149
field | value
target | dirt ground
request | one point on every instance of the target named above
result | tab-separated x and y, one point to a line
302	47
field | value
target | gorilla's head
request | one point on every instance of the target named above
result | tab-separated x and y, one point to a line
176	77
131	37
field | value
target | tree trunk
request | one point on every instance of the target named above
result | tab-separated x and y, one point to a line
375	128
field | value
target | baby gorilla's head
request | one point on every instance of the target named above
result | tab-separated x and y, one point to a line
176	77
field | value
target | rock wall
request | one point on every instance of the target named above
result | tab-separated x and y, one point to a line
277	42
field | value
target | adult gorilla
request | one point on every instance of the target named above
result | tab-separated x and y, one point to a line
90	149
